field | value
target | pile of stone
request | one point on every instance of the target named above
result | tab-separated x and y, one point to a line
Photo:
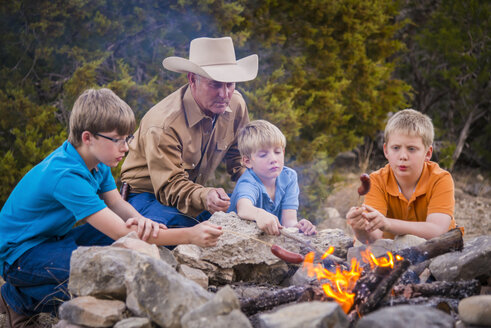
133	284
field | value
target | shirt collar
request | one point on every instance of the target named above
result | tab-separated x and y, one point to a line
73	153
194	114
393	187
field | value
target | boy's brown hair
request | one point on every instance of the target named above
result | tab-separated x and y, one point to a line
258	134
412	123
99	111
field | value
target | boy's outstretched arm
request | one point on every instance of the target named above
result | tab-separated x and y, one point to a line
204	234
436	224
266	221
289	219
145	227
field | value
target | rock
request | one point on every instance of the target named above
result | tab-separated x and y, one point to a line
305	315
404	316
92	312
64	324
239	256
472	262
406	241
476	310
99	271
158	292
195	275
223	310
134	323
166	256
379	248
131	241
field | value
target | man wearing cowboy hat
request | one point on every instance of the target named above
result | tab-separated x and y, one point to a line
182	139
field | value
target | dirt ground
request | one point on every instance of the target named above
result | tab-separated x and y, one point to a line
472	200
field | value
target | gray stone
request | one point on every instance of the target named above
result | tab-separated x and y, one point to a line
221	311
472	262
99	271
134	322
166	256
406	241
404	316
92	312
379	248
476	310
131	241
240	256
195	275
158	292
62	324
305	315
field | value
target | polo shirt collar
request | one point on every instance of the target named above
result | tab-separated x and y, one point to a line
393	187
193	112
73	153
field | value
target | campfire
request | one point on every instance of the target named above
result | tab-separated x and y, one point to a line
339	285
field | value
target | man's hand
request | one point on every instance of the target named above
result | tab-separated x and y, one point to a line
306	227
268	223
376	220
217	200
206	234
356	220
146	227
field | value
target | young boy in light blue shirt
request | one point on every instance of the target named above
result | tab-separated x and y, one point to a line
267	192
73	183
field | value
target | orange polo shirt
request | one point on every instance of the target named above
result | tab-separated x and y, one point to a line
434	193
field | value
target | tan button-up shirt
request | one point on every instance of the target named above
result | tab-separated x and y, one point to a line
177	148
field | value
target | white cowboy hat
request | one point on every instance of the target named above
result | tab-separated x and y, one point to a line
215	60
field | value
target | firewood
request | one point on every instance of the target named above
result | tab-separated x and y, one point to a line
446	304
269	299
452	289
366	303
448	242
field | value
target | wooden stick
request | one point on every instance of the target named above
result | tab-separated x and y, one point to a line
451	289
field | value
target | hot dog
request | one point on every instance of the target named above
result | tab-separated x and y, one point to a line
365	184
286	256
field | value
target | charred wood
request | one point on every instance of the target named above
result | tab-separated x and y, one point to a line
448	242
270	299
369	301
451	289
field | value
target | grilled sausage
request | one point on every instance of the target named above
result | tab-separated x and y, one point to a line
365	184
285	255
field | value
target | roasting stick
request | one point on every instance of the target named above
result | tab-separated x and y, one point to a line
318	253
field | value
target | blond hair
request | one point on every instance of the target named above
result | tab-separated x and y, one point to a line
412	123
99	111
258	134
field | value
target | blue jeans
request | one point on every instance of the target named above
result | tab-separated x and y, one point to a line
37	281
148	206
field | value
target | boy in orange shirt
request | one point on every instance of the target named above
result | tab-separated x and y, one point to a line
411	194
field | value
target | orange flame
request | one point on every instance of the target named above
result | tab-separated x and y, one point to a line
342	282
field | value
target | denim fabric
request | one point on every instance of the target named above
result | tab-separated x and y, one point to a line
37	281
148	206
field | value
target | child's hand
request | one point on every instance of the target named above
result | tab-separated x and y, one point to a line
206	234
146	227
376	220
356	220
268	223
306	227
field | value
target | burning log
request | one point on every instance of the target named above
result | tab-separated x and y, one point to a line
448	242
451	289
269	299
371	289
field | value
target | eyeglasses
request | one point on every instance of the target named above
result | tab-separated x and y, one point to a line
120	142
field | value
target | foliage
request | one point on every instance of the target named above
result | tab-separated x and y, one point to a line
326	69
449	68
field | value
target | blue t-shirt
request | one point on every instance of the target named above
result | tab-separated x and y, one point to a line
250	186
48	201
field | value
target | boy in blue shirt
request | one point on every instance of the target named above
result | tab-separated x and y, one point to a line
267	192
73	183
